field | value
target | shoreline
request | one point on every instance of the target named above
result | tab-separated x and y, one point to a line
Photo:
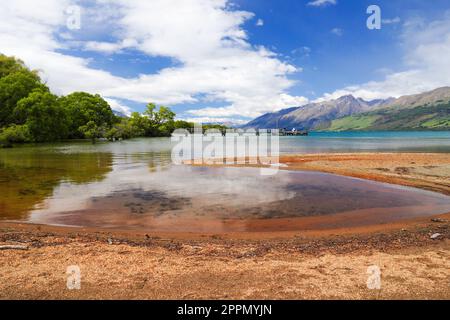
408	233
427	171
133	266
311	264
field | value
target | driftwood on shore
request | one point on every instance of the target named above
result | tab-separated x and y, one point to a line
13	247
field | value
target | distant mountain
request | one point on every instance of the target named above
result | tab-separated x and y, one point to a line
315	115
119	114
425	111
430	97
269	120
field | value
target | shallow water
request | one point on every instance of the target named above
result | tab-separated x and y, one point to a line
133	185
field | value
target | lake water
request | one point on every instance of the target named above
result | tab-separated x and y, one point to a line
134	185
319	142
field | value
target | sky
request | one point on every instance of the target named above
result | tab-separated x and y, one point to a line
229	60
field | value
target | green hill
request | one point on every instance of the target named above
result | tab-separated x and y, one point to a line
426	117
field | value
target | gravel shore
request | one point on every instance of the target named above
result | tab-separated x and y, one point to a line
413	256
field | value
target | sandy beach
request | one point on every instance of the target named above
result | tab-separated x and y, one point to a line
430	171
312	264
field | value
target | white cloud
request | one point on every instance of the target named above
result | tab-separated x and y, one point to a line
260	23
426	63
391	21
118	106
253	107
301	50
28	29
105	47
225	120
322	3
215	59
337	31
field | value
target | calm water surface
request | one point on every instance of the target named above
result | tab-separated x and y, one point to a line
319	142
133	185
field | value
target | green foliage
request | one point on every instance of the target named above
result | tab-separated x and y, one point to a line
427	117
9	65
13	88
153	123
29	112
93	131
353	123
14	134
123	130
45	118
215	126
138	124
437	122
83	108
161	122
181	124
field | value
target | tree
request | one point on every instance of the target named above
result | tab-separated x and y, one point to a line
123	130
163	115
181	124
13	88
83	108
161	121
219	127
14	134
44	117
16	83
93	131
9	65
139	124
30	112
166	118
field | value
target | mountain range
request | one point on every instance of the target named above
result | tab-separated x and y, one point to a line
119	114
429	110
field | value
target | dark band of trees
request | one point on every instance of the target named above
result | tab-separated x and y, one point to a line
30	112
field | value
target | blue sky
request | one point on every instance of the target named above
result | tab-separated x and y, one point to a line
333	61
219	60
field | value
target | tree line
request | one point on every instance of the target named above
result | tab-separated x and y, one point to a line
30	112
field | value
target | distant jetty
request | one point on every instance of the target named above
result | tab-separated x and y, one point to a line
285	132
280	132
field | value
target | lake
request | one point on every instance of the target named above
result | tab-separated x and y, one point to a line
134	185
387	141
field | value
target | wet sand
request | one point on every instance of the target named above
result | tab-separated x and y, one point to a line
429	171
311	264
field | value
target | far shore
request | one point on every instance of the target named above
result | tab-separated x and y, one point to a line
313	264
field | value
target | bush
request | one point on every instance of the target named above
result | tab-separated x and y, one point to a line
126	129
14	134
45	118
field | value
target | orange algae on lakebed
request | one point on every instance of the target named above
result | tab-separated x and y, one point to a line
223	200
